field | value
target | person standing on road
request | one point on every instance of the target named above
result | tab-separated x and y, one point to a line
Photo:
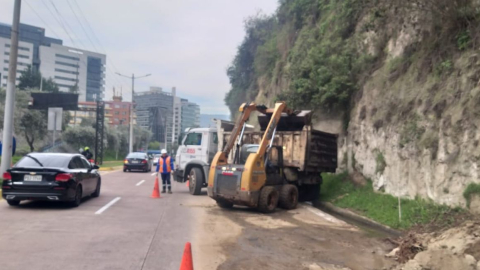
165	168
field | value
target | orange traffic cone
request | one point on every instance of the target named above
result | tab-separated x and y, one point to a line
188	183
156	189
187	263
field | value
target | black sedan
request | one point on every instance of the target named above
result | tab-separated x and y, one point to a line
137	161
51	177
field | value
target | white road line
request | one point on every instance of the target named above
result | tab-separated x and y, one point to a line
112	202
139	183
153	174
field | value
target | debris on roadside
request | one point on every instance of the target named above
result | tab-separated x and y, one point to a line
455	248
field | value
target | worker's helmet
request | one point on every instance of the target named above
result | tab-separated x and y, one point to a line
163	151
87	148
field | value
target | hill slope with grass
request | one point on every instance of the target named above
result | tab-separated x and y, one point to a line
398	80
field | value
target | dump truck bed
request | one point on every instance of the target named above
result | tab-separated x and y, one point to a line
308	150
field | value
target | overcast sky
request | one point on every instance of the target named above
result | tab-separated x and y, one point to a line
183	43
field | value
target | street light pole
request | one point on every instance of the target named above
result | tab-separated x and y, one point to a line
130	141
10	94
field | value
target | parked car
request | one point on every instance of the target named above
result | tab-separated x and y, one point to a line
137	161
155	159
51	177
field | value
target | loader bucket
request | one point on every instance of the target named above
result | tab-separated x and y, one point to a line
293	122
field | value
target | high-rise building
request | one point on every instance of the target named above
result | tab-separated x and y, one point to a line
154	110
24	59
69	67
190	114
74	68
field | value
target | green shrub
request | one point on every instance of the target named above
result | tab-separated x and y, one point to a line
381	164
472	189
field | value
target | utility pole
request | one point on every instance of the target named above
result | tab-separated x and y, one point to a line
10	98
130	141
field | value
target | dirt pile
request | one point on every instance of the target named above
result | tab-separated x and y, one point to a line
455	248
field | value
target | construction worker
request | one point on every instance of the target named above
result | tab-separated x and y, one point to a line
165	168
86	153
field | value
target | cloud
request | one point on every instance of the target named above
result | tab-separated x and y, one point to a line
186	43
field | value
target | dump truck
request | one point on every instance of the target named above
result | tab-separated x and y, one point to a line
278	165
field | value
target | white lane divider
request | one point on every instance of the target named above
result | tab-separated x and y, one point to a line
139	183
153	174
112	202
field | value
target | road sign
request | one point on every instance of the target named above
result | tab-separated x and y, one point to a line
55	119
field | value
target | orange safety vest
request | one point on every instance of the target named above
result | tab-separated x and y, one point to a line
169	166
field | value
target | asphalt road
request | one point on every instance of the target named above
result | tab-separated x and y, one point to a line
126	229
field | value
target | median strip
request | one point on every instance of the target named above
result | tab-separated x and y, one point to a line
139	183
112	202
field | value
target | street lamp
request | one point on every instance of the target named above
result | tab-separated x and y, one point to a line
130	141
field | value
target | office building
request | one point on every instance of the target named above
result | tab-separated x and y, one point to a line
24	59
72	69
117	112
190	115
154	110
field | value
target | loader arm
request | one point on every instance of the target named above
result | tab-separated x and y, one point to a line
268	136
246	110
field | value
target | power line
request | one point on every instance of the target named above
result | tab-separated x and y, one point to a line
34	11
89	39
58	21
93	32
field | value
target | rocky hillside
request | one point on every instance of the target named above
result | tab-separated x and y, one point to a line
398	79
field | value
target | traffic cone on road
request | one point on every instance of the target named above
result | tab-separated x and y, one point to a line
156	189
188	183
187	262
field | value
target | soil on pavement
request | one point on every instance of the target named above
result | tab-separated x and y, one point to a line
304	238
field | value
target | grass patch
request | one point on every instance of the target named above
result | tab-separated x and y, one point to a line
383	208
381	164
112	163
469	191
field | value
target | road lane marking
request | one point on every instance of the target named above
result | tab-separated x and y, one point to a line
112	202
154	173
139	183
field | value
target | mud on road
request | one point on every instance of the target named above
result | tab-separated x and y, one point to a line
305	238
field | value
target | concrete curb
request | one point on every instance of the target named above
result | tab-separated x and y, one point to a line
349	215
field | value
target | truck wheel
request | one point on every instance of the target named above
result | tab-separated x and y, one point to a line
288	197
224	204
196	181
268	199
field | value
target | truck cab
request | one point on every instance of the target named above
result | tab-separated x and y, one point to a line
196	152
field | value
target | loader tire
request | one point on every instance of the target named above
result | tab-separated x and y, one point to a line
268	200
196	181
288	197
224	204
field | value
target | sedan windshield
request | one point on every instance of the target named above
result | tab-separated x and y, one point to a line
47	160
136	155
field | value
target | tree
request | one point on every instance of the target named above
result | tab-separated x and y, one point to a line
154	145
50	86
79	137
74	89
34	126
29	78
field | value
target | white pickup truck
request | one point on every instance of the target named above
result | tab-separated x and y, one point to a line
199	146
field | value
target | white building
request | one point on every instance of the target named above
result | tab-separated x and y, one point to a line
24	59
177	117
69	66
